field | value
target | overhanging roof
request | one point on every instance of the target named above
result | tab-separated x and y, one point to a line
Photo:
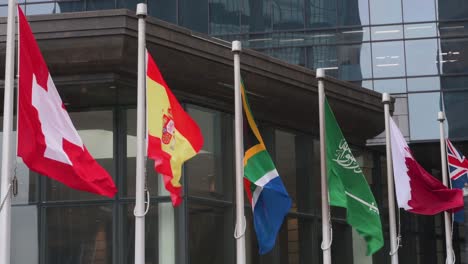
92	57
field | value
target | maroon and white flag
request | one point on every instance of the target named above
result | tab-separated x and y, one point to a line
47	140
418	191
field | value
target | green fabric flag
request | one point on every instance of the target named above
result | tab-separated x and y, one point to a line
348	187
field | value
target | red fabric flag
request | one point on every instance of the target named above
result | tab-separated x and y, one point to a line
47	140
173	136
417	190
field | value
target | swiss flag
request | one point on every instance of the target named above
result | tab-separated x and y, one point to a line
47	140
418	191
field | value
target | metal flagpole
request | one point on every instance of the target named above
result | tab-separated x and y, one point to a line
239	233
141	135
326	229
7	157
390	183
447	216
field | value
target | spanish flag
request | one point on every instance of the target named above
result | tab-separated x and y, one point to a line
173	136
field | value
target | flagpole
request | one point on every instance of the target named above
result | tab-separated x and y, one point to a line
7	157
390	183
239	232
139	212
326	234
447	216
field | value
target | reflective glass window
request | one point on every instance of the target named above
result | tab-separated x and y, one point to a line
129	175
100	4
79	234
420	30
210	229
69	6
24	235
455	82
390	85
224	16
40	9
424	84
321	14
3	11
453	29
353	13
423	109
354	35
418	10
288	39
455	110
209	174
385	12
153	238
96	130
322	37
163	9
292	55
387	32
454	55
260	41
322	57
193	14
421	57
256	16
354	62
452	9
388	60
288	14
129	4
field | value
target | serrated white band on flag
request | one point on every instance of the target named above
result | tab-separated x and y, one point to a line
400	151
267	178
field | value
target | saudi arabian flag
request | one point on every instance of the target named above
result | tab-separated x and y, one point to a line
348	187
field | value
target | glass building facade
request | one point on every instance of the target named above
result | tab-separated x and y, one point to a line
413	49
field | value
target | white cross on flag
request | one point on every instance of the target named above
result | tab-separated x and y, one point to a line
47	140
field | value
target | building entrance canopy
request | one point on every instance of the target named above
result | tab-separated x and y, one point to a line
92	57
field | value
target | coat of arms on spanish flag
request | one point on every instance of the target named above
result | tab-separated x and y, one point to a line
173	136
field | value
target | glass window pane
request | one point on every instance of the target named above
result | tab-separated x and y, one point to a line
152	177
456	82
351	13
420	30
224	16
388	59
152	239
210	173
418	10
163	9
387	32
321	14
320	37
288	39
323	57
454	55
260	41
256	16
453	29
455	109
354	35
193	14
69	6
78	234
288	14
40	9
292	55
385	12
129	4
423	108
25	235
452	9
390	86
424	84
96	130
100	4
4	11
354	62
210	230
421	57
